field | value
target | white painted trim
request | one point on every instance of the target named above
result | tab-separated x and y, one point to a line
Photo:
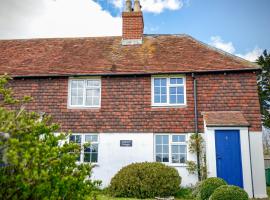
167	104
85	79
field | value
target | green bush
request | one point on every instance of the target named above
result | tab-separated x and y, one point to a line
208	186
145	180
231	192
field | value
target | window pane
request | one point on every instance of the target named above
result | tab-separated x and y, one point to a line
93	83
95	101
180	90
172	99
74	100
163	90
158	157
165	139
87	157
157	90
165	149
79	101
91	138
178	138
163	98
94	157
158	139
183	158
158	148
172	90
176	81
165	158
157	82
180	99
75	138
175	149
183	149
163	82
157	99
175	158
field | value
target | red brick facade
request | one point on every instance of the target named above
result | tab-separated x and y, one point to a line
126	103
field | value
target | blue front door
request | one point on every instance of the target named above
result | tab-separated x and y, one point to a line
228	156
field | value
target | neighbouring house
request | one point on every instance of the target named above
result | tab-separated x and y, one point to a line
139	97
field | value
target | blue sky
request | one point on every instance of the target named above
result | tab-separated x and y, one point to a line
240	27
243	23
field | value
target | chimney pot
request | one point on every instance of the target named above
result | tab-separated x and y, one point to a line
137	6
128	6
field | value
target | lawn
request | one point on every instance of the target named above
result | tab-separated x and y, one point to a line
268	191
103	197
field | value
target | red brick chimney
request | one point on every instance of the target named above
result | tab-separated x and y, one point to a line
132	24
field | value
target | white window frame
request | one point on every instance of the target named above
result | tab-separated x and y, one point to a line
170	148
82	146
84	91
168	104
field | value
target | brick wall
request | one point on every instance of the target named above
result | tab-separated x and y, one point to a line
132	25
126	103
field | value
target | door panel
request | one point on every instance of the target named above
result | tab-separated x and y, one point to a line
228	156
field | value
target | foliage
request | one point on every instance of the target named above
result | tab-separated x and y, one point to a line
231	192
264	87
33	164
196	144
208	186
184	193
145	180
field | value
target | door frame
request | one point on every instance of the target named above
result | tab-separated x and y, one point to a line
245	154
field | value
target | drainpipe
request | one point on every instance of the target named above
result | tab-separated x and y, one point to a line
196	124
251	167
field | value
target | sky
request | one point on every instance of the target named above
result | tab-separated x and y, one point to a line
240	27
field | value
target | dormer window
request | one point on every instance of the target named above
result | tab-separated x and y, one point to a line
168	90
84	93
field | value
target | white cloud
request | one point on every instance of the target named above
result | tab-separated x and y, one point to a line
154	6
252	55
217	42
56	18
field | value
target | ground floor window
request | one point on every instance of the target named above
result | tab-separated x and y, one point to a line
171	148
89	153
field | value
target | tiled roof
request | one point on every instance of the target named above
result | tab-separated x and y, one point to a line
224	118
106	55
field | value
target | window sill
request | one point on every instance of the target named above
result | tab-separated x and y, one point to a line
83	108
168	106
174	164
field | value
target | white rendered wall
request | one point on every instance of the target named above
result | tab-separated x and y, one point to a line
258	164
256	153
112	157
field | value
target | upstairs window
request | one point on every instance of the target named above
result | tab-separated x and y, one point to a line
84	92
168	91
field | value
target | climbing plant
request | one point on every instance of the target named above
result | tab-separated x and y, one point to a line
196	143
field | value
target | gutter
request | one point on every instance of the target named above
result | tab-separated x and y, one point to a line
196	124
134	73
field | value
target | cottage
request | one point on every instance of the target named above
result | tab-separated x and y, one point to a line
139	97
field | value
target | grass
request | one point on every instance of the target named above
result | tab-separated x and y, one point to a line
104	197
268	191
182	194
